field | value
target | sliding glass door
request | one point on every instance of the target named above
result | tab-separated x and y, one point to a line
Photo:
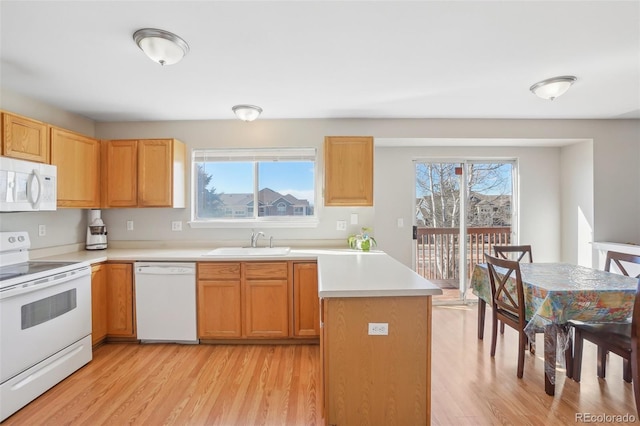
462	209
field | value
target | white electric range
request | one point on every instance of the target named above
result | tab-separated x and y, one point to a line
45	322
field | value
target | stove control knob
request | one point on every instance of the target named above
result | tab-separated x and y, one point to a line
20	238
12	240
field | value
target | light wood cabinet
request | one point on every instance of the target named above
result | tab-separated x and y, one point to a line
78	160
219	300
120	177
243	300
265	295
24	138
98	303
394	383
348	171
120	302
144	173
306	315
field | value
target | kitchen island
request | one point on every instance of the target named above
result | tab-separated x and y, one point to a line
375	330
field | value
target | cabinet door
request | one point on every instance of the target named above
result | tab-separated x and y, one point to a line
348	171
265	308
98	303
219	300
219	306
120	317
121	173
24	138
306	315
265	296
155	173
78	161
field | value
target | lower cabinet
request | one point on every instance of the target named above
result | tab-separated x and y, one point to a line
98	303
265	299
219	300
120	302
244	300
306	305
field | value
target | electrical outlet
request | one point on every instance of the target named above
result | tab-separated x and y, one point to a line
129	225
378	329
176	225
42	230
341	225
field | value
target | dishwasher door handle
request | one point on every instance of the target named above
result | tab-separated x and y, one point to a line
165	270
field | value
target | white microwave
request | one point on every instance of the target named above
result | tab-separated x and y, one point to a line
27	186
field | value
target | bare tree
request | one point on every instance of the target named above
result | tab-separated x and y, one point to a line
438	203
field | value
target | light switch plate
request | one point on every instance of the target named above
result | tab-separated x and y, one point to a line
129	225
354	218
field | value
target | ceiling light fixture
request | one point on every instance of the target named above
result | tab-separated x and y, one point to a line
551	88
161	46
247	112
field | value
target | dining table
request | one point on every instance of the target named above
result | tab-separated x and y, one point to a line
558	292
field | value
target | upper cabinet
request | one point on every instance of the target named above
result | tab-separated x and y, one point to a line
120	177
78	161
348	171
24	138
144	173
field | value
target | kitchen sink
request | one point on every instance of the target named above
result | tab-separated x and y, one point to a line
248	251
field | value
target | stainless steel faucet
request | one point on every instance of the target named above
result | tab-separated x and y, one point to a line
254	238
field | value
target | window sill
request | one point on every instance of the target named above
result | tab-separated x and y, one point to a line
243	224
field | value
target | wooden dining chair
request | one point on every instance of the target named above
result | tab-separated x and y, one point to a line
508	303
503	252
609	337
621	260
519	252
622	341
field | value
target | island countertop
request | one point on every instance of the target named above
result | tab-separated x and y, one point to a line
341	272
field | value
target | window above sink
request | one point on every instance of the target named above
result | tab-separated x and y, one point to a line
228	184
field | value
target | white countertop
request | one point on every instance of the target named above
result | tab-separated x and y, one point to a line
341	272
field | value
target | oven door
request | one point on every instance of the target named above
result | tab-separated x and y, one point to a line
38	319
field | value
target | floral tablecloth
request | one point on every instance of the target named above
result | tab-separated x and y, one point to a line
558	292
555	293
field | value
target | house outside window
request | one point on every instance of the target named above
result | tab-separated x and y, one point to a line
227	184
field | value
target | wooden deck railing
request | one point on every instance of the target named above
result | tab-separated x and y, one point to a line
438	249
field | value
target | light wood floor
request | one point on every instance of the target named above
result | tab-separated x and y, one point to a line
279	385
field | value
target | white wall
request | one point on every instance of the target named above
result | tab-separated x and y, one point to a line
576	165
616	175
19	104
539	192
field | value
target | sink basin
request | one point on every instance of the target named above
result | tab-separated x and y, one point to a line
248	251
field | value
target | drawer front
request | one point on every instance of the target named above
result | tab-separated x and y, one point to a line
265	270
219	271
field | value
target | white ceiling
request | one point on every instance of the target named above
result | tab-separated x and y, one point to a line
326	59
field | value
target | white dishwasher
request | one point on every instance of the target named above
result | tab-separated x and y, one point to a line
166	302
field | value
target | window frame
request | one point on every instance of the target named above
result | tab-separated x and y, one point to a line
256	156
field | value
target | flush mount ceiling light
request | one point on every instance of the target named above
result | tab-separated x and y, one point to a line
161	46
551	88
247	112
